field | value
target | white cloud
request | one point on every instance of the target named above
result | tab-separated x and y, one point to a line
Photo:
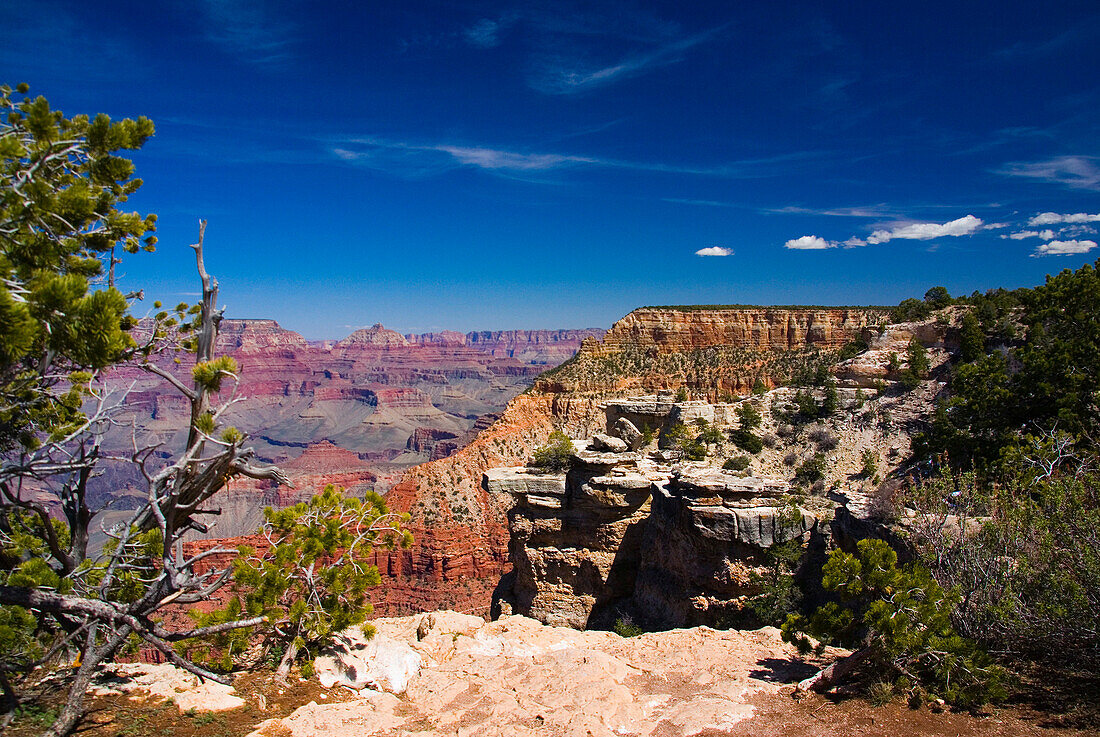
1079	172
809	243
1053	218
927	231
714	251
995	226
854	242
1046	235
1064	248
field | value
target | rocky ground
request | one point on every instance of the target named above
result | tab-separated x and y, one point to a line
446	673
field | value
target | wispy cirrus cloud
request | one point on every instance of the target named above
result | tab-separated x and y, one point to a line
485	33
566	71
418	160
869	211
573	49
425	159
700	203
248	30
1077	172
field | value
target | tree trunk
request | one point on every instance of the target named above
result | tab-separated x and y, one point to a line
835	674
74	706
288	659
11	702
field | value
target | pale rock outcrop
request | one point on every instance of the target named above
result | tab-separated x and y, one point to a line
168	682
357	662
701	551
619	533
872	366
518	678
573	552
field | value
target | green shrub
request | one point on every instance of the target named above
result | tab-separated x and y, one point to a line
870	463
807	405
971	338
812	469
747	441
852	349
624	627
899	620
830	402
893	363
918	367
737	463
1030	575
681	438
556	455
938	298
910	310
711	436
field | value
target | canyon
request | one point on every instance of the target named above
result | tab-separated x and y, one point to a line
328	410
355	412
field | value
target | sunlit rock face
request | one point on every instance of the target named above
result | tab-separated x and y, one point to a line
621	534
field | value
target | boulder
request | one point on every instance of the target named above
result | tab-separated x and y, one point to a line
608	444
629	433
358	662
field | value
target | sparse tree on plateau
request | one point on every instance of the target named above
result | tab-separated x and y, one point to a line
312	579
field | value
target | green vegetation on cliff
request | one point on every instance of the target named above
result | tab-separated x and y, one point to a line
710	371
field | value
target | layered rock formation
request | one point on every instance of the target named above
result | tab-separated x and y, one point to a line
709	351
675	329
639	532
712	351
621	534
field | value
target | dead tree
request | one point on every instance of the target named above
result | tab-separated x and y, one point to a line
109	598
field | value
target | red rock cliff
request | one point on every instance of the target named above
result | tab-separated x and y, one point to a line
669	329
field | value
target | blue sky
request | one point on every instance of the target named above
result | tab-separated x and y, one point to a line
492	165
